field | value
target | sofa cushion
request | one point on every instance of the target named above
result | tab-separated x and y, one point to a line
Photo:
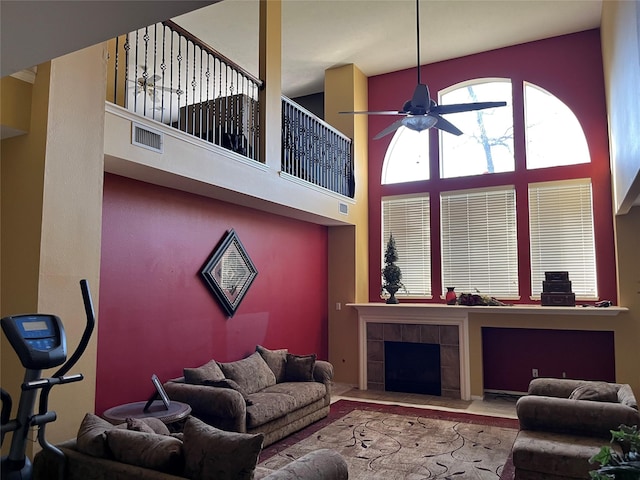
210	371
304	393
276	359
212	453
595	391
147	425
92	438
299	368
228	383
146	450
251	373
268	406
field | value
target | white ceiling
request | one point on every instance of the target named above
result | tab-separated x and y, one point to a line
379	36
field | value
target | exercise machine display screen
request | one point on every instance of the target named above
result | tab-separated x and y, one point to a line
38	340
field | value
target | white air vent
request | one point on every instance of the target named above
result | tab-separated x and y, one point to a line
343	208
147	138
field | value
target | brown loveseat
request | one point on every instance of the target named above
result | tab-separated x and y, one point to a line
127	452
564	422
271	392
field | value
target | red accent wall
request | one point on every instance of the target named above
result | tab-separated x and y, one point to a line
569	67
510	354
157	316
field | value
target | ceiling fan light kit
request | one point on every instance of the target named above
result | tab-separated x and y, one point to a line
422	112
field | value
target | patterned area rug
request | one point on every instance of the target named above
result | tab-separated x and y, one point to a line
394	442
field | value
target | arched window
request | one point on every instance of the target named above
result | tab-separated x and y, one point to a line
553	134
486	145
407	158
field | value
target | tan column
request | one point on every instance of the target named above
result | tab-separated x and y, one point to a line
346	90
52	218
270	72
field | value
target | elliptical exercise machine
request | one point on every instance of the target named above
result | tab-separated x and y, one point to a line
40	342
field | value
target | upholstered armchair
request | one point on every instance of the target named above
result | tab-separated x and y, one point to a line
564	422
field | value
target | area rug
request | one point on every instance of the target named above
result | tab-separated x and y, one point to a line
395	442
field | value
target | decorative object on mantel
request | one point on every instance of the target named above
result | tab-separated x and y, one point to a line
391	272
451	297
229	272
474	299
556	290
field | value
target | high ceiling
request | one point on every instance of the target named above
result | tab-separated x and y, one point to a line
379	36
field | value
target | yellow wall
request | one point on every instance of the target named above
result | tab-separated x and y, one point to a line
51	219
15	106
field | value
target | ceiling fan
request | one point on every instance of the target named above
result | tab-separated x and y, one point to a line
421	112
149	85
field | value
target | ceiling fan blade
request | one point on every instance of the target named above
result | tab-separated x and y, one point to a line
446	125
465	107
390	129
382	112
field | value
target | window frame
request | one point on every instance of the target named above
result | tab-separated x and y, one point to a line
597	170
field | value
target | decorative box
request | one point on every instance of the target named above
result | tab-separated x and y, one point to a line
556	299
556	276
556	286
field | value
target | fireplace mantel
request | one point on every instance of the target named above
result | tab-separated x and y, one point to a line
441	314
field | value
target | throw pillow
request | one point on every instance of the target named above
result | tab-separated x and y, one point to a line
212	453
299	368
209	371
228	383
147	425
276	359
91	438
251	373
146	450
598	392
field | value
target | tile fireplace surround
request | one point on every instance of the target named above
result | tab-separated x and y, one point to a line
447	327
426	323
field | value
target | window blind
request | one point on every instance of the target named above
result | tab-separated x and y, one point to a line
479	241
561	234
407	218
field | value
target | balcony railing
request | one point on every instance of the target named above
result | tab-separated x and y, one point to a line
165	73
315	151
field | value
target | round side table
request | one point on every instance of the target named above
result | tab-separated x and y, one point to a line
119	414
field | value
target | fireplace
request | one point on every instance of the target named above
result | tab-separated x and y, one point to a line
412	368
444	337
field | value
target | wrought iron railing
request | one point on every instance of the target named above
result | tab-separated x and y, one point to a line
315	151
165	73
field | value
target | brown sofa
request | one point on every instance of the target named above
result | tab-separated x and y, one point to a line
104	452
564	422
271	392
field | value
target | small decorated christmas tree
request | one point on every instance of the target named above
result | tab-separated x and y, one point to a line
391	273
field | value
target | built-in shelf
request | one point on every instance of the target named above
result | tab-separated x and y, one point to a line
440	314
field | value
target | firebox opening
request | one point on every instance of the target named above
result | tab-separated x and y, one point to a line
412	368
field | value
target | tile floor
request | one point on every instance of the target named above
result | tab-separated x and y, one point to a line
492	404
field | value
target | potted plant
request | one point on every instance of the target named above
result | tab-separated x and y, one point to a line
391	273
613	465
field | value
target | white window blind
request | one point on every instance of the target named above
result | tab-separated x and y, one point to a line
561	231
479	241
407	218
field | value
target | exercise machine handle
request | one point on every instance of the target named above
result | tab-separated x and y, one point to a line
86	336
